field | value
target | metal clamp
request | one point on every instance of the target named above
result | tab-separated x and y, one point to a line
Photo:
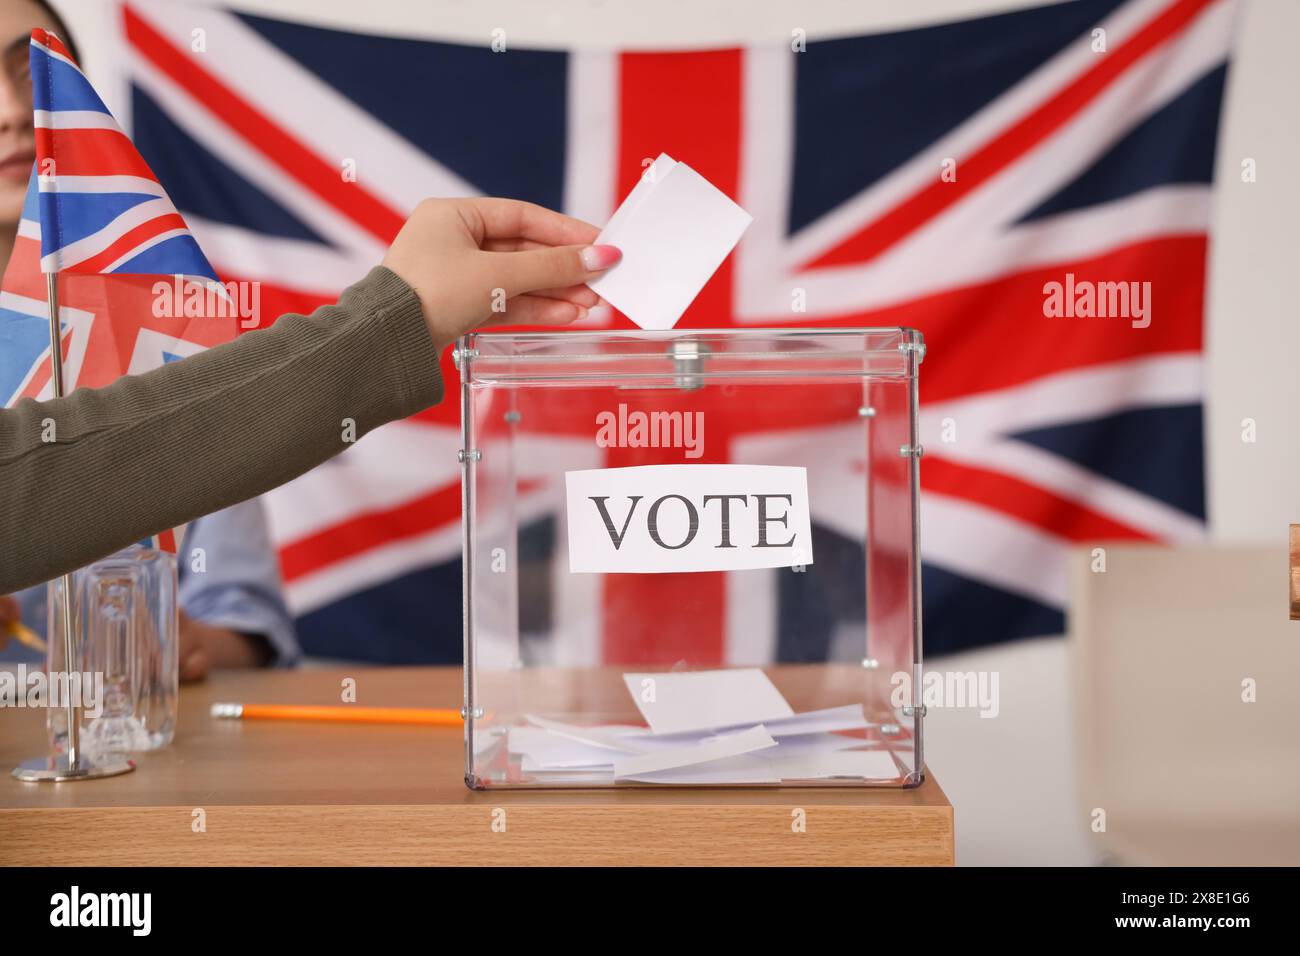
910	710
458	354
472	455
911	451
917	347
688	358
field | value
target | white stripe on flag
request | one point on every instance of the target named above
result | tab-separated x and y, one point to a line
73	119
101	184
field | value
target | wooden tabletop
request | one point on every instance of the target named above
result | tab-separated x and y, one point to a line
254	793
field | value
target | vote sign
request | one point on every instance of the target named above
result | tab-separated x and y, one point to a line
662	518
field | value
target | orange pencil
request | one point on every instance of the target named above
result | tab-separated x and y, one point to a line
340	713
25	635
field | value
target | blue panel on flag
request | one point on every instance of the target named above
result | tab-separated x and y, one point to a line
497	120
962	613
22	340
410	619
177	255
202	184
1175	144
81	214
1158	451
67	88
865	105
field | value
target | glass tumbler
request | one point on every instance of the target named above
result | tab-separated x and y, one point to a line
125	653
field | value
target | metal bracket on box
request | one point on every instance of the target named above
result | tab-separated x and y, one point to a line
478	713
909	710
911	451
458	354
472	455
688	363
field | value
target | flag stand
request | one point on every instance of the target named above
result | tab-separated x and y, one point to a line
73	764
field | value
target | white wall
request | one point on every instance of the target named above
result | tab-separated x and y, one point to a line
1009	778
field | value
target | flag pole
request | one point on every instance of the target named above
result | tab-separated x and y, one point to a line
72	764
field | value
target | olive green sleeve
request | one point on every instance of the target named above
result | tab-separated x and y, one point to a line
153	451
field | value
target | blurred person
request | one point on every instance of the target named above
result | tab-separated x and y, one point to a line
233	613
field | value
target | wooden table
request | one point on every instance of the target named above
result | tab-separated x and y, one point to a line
299	793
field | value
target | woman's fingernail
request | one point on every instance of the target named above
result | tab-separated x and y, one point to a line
596	258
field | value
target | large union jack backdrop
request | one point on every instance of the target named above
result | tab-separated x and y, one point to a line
295	152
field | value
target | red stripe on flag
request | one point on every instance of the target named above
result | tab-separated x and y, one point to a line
89	152
127	242
994	335
262	133
1030	503
51	42
370	530
689	106
988	161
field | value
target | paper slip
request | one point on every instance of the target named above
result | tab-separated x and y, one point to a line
848	717
713	727
810	743
859	764
543	750
747	741
675	228
595	736
673	703
746	769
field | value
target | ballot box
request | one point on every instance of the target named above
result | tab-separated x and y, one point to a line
690	558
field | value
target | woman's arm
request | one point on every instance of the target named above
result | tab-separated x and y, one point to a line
153	451
156	450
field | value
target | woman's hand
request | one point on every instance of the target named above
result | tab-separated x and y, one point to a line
463	256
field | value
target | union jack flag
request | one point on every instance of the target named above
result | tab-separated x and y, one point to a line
97	217
939	178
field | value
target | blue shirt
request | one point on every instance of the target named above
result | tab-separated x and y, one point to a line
238	588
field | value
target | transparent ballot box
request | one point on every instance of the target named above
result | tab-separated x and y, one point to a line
690	558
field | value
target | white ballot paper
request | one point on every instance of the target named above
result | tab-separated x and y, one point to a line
675	228
690	755
703	700
705	727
